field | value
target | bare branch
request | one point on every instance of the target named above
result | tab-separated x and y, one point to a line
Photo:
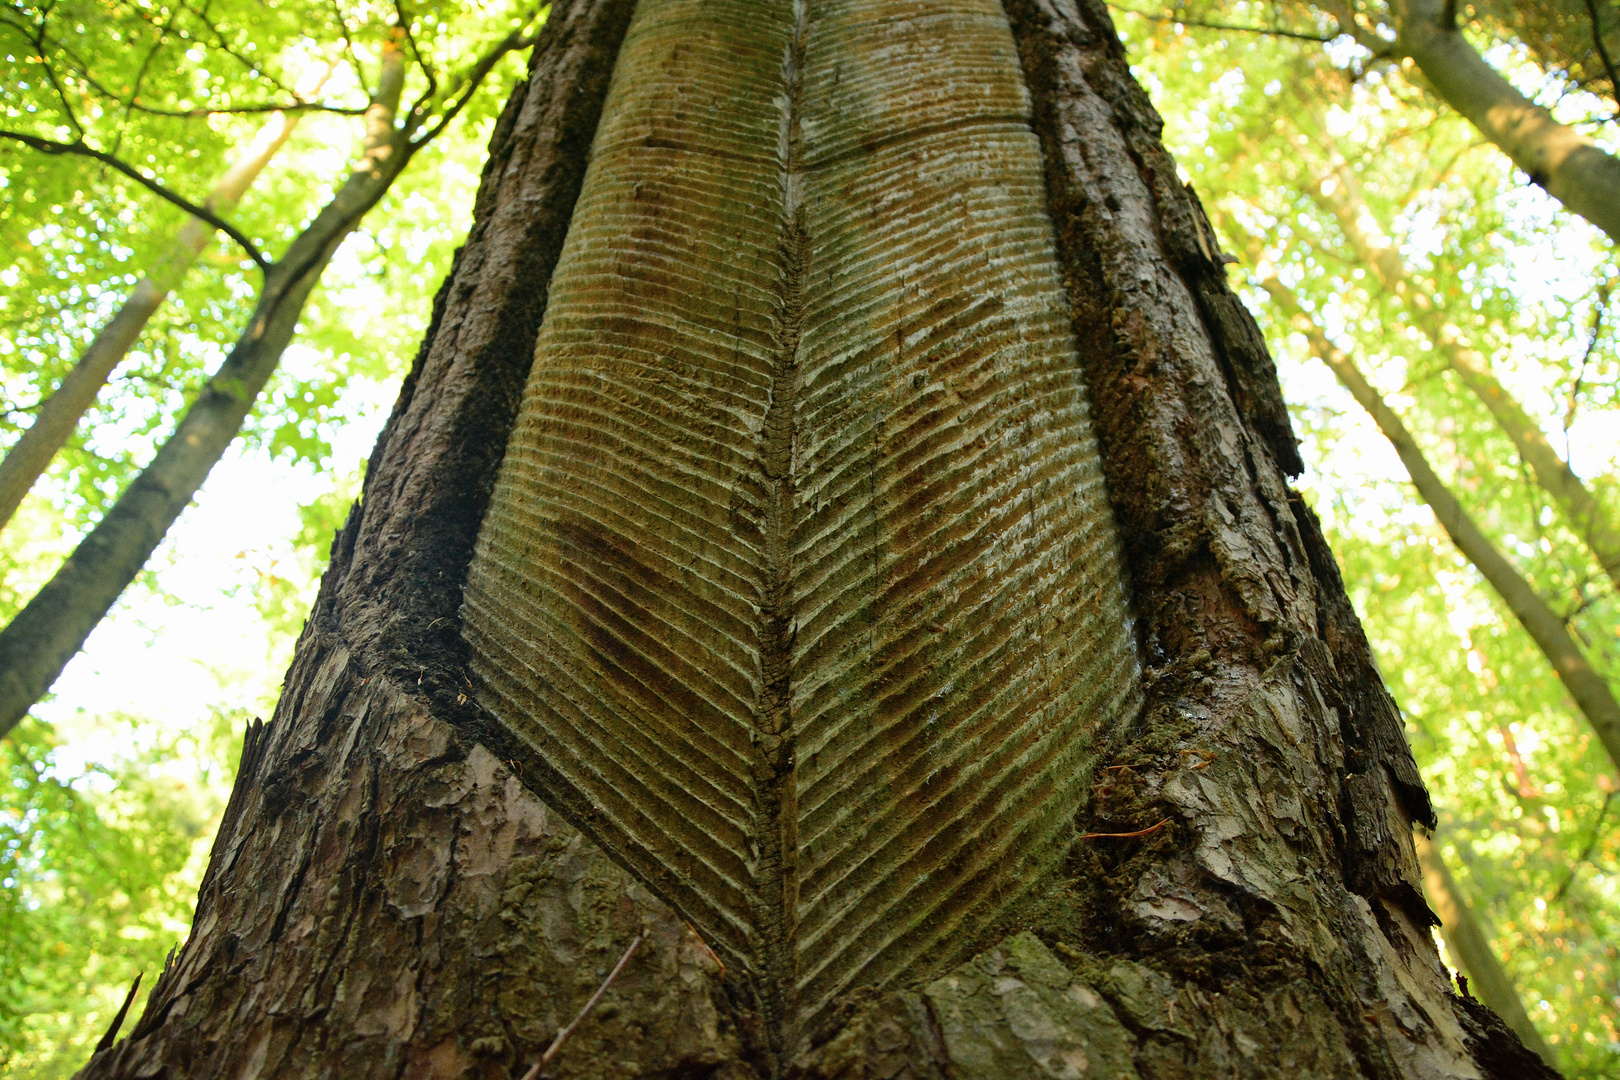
1586	852
562	1036
80	149
403	26
1602	50
1268	31
468	84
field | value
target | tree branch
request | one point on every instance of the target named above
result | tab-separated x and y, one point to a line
468	84
1340	195
1267	31
1565	162
1602	50
51	146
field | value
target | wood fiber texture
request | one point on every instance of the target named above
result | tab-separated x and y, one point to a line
800	578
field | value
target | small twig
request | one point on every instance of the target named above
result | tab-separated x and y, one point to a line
80	148
563	1035
712	954
1269	31
1123	835
1602	51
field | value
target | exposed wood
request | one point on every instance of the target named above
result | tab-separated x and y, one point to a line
800	575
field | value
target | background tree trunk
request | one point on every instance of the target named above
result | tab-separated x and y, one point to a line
391	896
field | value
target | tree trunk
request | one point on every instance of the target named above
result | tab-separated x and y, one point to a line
1580	509
1587	687
60	413
1568	164
443	842
1471	947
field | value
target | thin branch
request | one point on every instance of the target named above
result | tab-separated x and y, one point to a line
348	48
1123	835
247	62
403	25
36	37
468	84
1268	31
1602	50
138	80
1586	852
245	110
565	1033
1586	358
51	146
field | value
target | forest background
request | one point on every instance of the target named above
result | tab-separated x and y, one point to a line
1394	256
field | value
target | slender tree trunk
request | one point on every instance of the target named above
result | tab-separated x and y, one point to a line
37	644
1590	690
1562	160
396	890
1469	944
1579	508
60	413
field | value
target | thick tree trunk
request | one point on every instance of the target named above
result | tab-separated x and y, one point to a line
393	892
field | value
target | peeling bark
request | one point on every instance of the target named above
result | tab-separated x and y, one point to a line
390	897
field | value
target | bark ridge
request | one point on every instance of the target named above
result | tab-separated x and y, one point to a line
800	577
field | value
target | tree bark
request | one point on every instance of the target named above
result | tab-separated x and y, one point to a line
1562	160
1589	690
1581	511
60	413
394	894
1468	943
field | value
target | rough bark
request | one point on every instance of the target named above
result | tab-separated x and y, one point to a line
389	897
60	413
1590	691
1559	158
1579	508
1472	948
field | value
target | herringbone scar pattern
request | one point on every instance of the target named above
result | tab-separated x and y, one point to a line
799	573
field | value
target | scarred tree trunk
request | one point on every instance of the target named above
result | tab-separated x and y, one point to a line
1207	871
